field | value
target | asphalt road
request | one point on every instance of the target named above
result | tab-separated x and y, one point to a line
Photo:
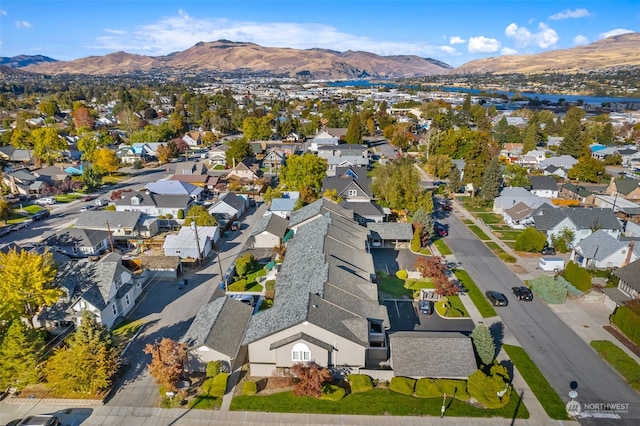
561	355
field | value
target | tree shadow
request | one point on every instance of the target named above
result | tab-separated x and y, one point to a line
497	332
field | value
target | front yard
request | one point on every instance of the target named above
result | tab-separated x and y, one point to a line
474	293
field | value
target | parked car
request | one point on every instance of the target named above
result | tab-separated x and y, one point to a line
426	307
496	298
548	251
5	230
87	207
101	202
88	198
45	201
522	293
42	214
440	230
40	420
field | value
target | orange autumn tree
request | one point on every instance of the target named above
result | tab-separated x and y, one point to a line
168	358
310	379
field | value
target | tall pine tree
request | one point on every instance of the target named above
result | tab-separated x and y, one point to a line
354	131
492	180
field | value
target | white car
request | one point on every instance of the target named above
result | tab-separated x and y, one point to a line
87	208
45	201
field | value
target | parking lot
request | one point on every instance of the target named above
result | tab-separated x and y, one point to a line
404	316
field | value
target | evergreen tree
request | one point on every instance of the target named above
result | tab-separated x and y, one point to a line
354	131
530	138
455	180
492	180
20	352
573	133
484	344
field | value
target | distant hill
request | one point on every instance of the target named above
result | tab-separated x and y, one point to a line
25	60
612	52
228	56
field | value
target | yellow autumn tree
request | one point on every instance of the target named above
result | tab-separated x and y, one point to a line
105	161
26	283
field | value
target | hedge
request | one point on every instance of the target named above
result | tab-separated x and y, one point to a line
360	383
213	368
240	285
219	385
427	388
579	277
628	322
403	385
452	387
332	392
249	388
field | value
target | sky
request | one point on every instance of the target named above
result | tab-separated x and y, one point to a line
452	31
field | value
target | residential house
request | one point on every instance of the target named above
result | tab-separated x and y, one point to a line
123	225
191	242
217	155
323	138
389	234
554	141
105	288
282	207
16	155
628	286
175	187
571	191
228	208
23	182
354	186
154	204
519	216
555	171
274	159
188	168
269	231
216	334
582	221
77	242
55	174
531	159
625	187
511	196
193	139
139	151
245	171
544	186
601	251
346	155
319	208
204	181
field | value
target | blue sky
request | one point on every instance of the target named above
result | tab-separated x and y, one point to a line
453	31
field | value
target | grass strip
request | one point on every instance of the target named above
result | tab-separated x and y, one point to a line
442	247
626	366
479	232
475	294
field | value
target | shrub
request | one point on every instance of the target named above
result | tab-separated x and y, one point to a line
403	385
457	388
360	383
628	322
402	274
249	388
207	385
219	385
530	240
485	388
270	287
427	388
181	214
240	285
244	264
332	392
213	368
415	242
579	277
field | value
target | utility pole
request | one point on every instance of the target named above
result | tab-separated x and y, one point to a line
221	273
110	237
195	229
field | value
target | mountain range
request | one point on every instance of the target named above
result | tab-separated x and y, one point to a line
228	57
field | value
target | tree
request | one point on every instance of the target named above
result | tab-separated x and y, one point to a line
354	130
530	240
530	138
563	241
484	344
310	378
82	117
239	149
168	359
201	216
5	210
430	266
244	264
572	131
47	145
164	153
20	353
92	178
492	180
270	194
105	161
397	185
478	157
439	165
423	220
26	283
307	170
87	363
587	169
516	175
455	180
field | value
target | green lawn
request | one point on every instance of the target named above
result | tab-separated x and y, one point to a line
392	286
377	402
456	303
504	235
549	399
254	287
467	221
626	366
442	247
259	271
479	232
413	284
489	218
67	198
506	257
476	296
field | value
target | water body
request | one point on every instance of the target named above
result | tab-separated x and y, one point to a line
591	100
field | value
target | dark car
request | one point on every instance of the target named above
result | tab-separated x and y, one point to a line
440	229
88	198
522	293
40	420
42	214
548	251
496	298
426	307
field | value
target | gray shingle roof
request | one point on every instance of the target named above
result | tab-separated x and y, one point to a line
340	184
599	245
390	230
233	200
543	183
585	218
432	354
99	219
76	237
364	209
630	274
301	336
272	224
322	206
151	199
219	325
626	185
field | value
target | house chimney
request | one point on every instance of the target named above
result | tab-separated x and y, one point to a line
628	258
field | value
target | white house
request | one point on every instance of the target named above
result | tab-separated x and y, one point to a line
269	231
544	186
601	251
189	240
229	207
154	204
323	138
581	221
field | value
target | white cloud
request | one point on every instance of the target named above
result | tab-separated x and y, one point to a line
3	12
182	31
545	37
614	32
23	25
580	40
567	14
508	51
117	32
457	40
482	44
452	51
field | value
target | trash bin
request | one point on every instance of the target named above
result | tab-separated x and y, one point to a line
186	281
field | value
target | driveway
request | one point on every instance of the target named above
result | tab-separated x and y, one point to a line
391	260
404	316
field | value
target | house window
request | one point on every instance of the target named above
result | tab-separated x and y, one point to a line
115	310
300	353
177	251
353	192
126	299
